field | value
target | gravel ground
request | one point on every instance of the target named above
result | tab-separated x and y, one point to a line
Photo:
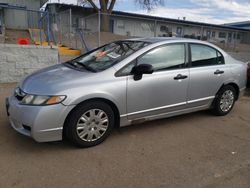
241	56
194	150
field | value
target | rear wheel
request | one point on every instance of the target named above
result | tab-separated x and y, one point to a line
224	101
89	124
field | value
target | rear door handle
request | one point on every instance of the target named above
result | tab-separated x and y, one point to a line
218	72
180	77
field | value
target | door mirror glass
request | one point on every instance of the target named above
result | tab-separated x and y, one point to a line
141	69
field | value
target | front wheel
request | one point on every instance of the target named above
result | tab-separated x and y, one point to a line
224	101
89	124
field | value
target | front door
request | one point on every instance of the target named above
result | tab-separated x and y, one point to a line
163	91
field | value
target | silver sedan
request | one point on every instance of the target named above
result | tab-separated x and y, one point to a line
123	83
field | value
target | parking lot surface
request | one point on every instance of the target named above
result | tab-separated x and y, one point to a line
194	150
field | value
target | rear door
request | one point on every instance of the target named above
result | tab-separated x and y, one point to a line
207	74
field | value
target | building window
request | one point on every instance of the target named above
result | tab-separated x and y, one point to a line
213	34
75	22
238	36
146	27
120	24
208	34
163	28
222	35
179	31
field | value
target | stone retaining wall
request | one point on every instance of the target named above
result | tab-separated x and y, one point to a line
18	61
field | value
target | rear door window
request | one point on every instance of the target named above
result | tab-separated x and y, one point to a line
202	55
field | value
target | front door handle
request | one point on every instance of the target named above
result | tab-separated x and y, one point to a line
180	77
218	72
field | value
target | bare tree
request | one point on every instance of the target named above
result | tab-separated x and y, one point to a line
106	7
149	4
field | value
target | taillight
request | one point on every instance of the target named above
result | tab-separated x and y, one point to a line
248	65
248	69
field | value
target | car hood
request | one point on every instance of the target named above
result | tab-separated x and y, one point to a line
54	80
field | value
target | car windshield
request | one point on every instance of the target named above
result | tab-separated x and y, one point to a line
108	55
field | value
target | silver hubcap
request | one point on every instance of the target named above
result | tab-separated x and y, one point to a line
226	101
92	125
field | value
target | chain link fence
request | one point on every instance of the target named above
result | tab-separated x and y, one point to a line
87	31
18	22
73	31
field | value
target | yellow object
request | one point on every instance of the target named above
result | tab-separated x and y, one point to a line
63	50
69	51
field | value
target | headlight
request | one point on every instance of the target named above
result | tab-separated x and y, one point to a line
42	100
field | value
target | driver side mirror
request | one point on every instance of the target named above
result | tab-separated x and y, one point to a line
141	69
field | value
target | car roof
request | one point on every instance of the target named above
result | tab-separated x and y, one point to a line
166	39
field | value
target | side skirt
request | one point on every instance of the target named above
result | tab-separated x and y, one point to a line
125	122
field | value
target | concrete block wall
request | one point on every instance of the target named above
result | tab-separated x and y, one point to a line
17	61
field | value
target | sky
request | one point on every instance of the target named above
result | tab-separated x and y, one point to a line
209	11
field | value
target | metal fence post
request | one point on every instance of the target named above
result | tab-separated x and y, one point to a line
235	40
155	27
52	34
60	29
40	29
40	32
70	25
202	30
28	18
99	28
48	28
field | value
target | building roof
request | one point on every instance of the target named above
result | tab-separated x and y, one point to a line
147	17
22	5
239	24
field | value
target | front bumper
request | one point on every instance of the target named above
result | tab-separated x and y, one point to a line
42	123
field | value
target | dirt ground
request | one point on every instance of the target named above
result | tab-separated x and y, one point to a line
194	150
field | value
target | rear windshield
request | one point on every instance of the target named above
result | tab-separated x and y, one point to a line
108	55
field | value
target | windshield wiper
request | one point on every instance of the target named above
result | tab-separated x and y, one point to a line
79	65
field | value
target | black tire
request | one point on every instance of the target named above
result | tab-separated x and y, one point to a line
217	110
70	127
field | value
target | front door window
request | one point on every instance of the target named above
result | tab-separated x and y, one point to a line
165	57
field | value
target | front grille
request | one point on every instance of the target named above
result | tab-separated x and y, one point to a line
19	94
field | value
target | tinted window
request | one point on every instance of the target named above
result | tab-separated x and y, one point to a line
204	56
165	57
